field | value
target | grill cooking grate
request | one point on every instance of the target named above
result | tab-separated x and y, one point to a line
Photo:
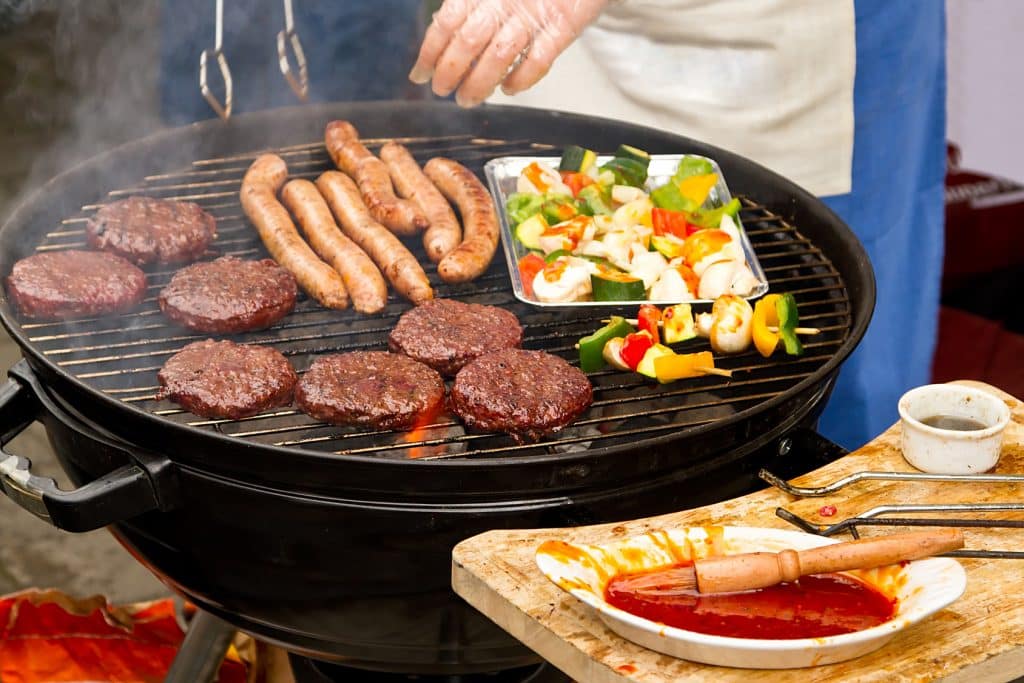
120	355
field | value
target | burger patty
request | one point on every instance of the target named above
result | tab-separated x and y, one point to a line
370	388
446	334
527	394
223	379
229	295
146	230
64	284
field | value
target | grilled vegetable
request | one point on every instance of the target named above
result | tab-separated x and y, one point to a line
669	197
612	353
668	246
529	231
558	209
615	285
634	153
521	205
677	324
646	366
594	198
788	321
681	366
576	159
691	165
696	188
648	319
669	222
712	218
634	346
765	316
627	171
529	266
555	255
592	346
577	181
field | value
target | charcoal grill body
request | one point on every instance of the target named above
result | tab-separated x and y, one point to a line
348	556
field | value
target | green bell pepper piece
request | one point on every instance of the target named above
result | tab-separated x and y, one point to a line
669	197
592	346
692	165
789	318
521	205
595	200
712	218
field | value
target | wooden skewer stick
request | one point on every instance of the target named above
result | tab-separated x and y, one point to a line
721	372
771	328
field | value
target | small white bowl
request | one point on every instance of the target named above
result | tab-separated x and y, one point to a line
950	451
921	588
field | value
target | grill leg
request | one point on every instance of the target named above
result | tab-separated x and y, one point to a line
202	650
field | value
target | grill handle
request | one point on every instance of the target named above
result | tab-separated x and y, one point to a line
147	483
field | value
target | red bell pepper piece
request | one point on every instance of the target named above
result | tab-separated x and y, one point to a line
668	222
634	346
576	181
529	266
648	319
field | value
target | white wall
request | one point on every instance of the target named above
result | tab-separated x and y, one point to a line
986	84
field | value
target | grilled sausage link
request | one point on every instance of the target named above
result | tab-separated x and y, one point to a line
275	227
400	216
444	233
399	266
364	282
479	220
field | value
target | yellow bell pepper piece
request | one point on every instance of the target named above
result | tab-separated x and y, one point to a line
765	315
680	366
696	188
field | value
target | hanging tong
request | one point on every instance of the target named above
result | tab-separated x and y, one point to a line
300	85
817	491
223	110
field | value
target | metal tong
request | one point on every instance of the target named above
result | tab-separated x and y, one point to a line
877	516
288	36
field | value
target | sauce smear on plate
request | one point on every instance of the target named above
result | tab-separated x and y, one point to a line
813	607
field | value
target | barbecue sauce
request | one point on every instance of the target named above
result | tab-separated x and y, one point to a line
812	607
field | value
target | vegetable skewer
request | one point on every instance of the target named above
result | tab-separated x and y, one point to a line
771	328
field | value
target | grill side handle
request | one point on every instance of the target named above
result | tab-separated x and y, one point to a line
147	483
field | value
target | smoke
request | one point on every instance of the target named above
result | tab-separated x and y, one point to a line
76	77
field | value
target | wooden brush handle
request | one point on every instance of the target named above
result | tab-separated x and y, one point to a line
756	570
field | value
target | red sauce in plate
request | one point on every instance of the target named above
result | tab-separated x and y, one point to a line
813	607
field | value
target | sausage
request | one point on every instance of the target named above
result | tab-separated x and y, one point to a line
444	233
400	216
479	220
364	282
399	266
259	201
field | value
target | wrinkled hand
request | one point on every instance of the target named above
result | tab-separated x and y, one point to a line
476	45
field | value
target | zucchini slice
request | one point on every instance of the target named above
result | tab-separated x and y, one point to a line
529	231
610	285
576	159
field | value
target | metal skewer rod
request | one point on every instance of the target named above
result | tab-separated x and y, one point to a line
818	491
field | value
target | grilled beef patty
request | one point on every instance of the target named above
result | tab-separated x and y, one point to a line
446	334
527	394
64	284
223	379
370	388
229	295
146	230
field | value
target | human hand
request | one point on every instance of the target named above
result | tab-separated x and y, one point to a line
475	45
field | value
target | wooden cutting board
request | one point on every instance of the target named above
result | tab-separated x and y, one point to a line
980	637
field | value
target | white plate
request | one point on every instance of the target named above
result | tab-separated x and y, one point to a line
921	587
503	172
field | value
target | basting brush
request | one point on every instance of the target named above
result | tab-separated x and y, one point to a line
746	571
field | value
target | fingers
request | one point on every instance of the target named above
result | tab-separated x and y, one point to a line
549	41
446	22
466	47
493	65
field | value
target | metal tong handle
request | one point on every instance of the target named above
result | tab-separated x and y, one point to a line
223	110
817	491
300	85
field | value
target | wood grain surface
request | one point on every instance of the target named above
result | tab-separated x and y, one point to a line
980	637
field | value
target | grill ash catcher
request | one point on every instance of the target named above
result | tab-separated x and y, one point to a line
354	536
883	515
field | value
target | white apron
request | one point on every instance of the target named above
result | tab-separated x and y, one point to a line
771	80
